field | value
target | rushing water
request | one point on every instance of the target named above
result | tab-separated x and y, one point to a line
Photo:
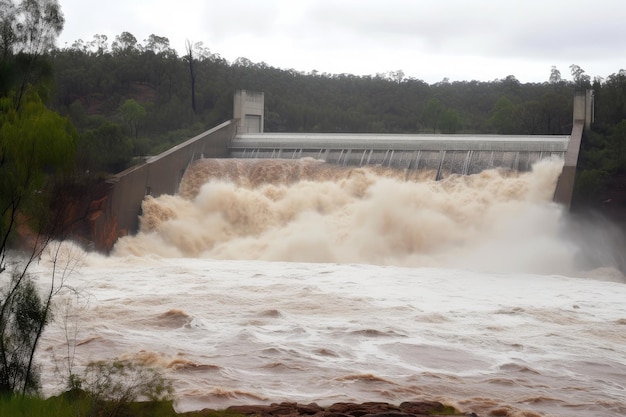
265	281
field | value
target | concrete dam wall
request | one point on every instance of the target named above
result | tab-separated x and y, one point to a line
440	154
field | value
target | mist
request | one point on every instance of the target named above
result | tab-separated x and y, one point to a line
308	211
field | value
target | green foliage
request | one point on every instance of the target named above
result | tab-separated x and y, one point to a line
105	148
117	389
503	116
22	318
432	113
450	121
77	113
132	113
37	150
20	406
114	387
35	143
610	100
78	405
605	151
618	145
590	184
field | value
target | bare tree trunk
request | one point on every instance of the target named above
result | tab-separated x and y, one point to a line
192	74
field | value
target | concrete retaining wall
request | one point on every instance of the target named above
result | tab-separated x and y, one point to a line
118	212
565	185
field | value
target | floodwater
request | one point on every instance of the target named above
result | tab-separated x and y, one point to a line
295	281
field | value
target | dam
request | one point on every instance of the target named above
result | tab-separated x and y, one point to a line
437	156
441	155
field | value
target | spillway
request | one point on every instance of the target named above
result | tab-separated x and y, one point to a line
440	154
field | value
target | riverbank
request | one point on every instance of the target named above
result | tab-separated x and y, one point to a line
70	404
341	409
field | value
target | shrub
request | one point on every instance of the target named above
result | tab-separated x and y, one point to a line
115	387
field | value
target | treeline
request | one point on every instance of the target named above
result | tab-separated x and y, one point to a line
148	94
130	99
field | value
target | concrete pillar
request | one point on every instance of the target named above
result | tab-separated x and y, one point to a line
248	109
583	108
565	185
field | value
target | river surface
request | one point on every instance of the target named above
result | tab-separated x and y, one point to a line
356	286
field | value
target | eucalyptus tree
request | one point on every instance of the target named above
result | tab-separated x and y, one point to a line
29	29
555	75
581	79
36	148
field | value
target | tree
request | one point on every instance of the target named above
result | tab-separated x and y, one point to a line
581	79
36	147
158	45
503	116
618	139
29	30
8	28
106	148
41	23
432	112
450	121
34	142
22	316
100	43
125	43
556	113
555	75
132	113
192	73
528	116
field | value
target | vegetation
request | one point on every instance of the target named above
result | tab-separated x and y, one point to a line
66	406
36	152
118	389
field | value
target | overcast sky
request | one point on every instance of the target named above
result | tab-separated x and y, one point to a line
426	39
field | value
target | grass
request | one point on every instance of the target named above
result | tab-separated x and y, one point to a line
83	406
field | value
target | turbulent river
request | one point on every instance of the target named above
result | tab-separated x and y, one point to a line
267	281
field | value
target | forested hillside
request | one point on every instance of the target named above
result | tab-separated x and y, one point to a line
130	99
